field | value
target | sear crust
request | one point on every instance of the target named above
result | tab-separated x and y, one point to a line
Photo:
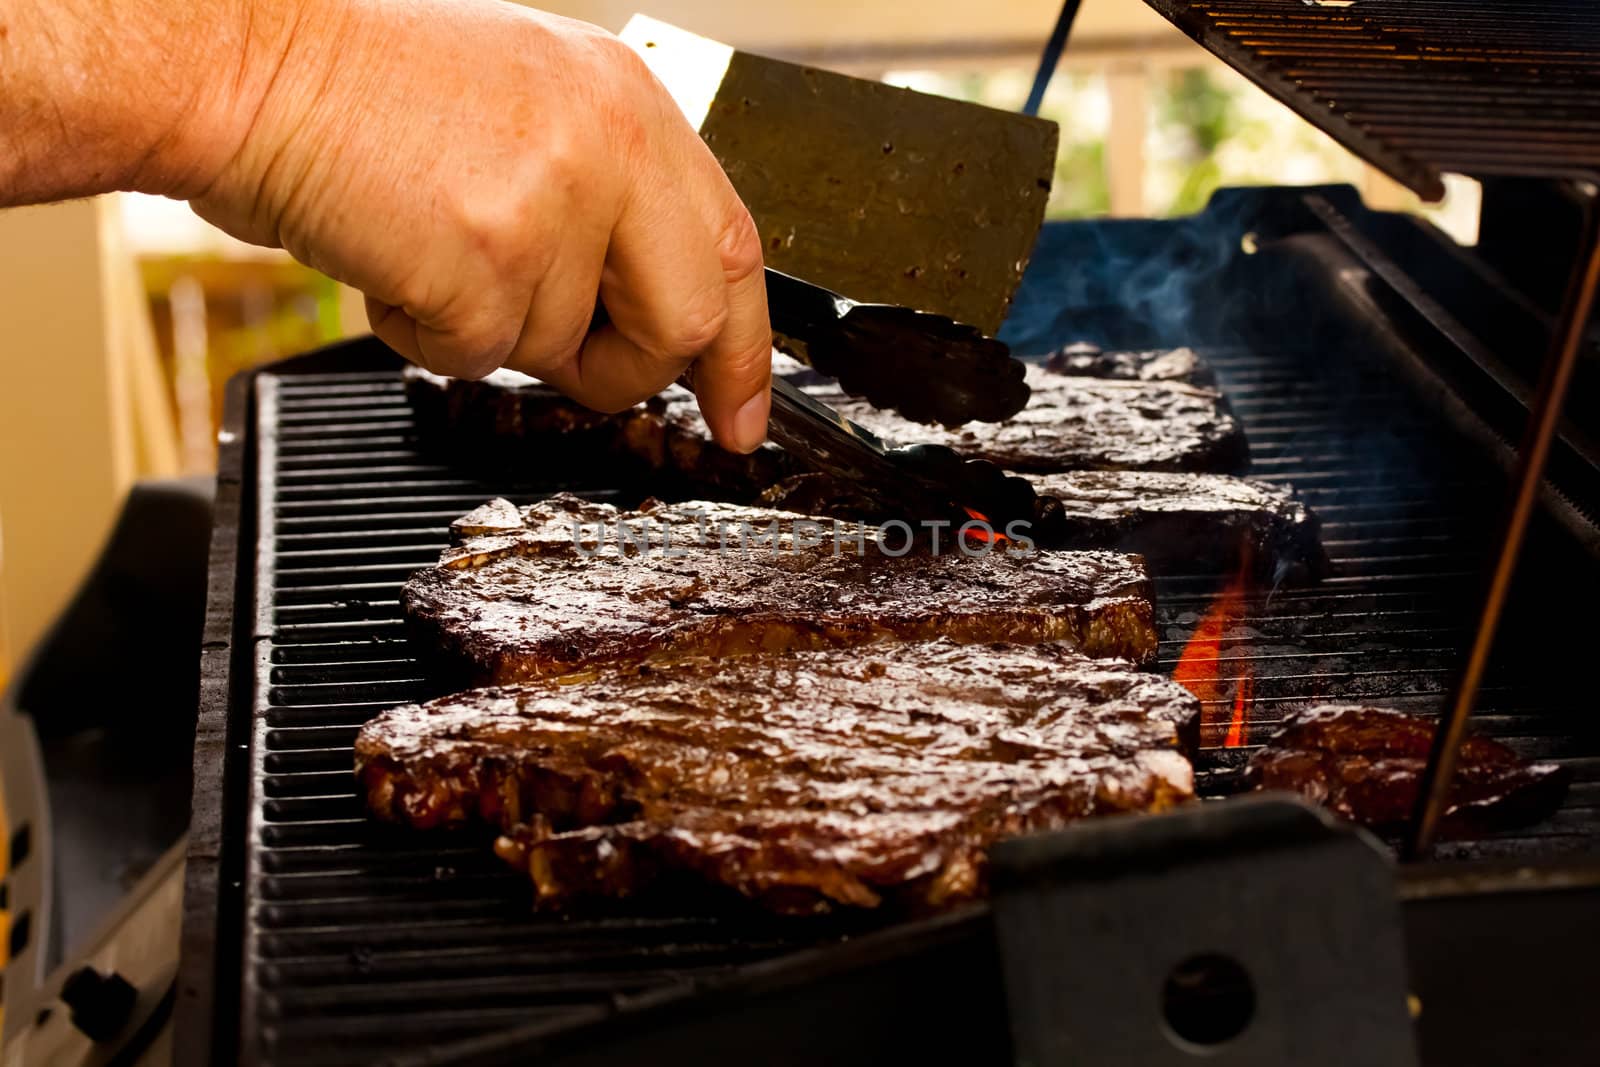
668	437
1148	365
1192	522
561	591
1083	423
1196	522
804	781
510	420
1365	764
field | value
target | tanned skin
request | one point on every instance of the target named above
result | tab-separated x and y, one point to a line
483	172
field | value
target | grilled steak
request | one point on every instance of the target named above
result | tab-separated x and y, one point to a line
667	435
571	588
1152	365
512	420
1196	521
514	425
1080	423
804	781
1365	765
1074	421
505	403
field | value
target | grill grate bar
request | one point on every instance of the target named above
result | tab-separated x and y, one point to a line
1522	79
359	933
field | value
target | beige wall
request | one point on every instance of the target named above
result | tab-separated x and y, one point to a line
76	396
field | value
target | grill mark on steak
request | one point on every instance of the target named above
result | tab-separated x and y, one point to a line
1082	423
804	781
511	604
1190	521
1365	764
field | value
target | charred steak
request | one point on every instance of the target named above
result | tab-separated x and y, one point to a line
667	435
1135	418
510	419
1149	365
505	403
803	780
1365	764
1197	521
576	585
1084	423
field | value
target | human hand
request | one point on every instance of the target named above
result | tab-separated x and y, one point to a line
482	172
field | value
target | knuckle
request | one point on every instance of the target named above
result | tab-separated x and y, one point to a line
699	323
489	223
480	364
738	244
471	358
619	58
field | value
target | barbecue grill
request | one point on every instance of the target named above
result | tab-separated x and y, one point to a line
1384	372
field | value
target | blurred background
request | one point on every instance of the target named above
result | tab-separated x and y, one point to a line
122	318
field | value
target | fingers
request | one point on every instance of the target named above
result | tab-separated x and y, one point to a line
664	293
733	377
683	282
470	334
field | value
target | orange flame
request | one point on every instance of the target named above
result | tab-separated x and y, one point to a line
990	536
1200	667
1244	695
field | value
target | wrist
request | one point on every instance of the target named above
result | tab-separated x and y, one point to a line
239	56
145	95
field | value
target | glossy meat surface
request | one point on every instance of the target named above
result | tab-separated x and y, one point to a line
1084	423
1181	521
804	781
565	591
1194	522
1146	365
1365	764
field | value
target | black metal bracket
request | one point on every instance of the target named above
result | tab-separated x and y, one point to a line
1256	931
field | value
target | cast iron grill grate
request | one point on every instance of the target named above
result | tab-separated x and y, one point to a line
358	936
1423	87
364	936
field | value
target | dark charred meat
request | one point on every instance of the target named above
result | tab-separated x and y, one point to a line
579	585
1365	764
667	435
511	420
505	403
805	781
1194	521
1081	423
815	493
1151	365
512	423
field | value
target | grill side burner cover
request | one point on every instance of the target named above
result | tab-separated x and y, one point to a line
1250	932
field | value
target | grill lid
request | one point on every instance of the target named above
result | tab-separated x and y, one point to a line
1421	87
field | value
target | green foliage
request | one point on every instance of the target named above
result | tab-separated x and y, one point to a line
1081	188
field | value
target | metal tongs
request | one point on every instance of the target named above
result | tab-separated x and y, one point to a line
928	368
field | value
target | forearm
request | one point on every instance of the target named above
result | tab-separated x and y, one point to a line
146	95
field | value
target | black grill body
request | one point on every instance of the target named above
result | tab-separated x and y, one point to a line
315	936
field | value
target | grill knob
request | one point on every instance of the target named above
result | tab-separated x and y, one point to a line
100	1003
